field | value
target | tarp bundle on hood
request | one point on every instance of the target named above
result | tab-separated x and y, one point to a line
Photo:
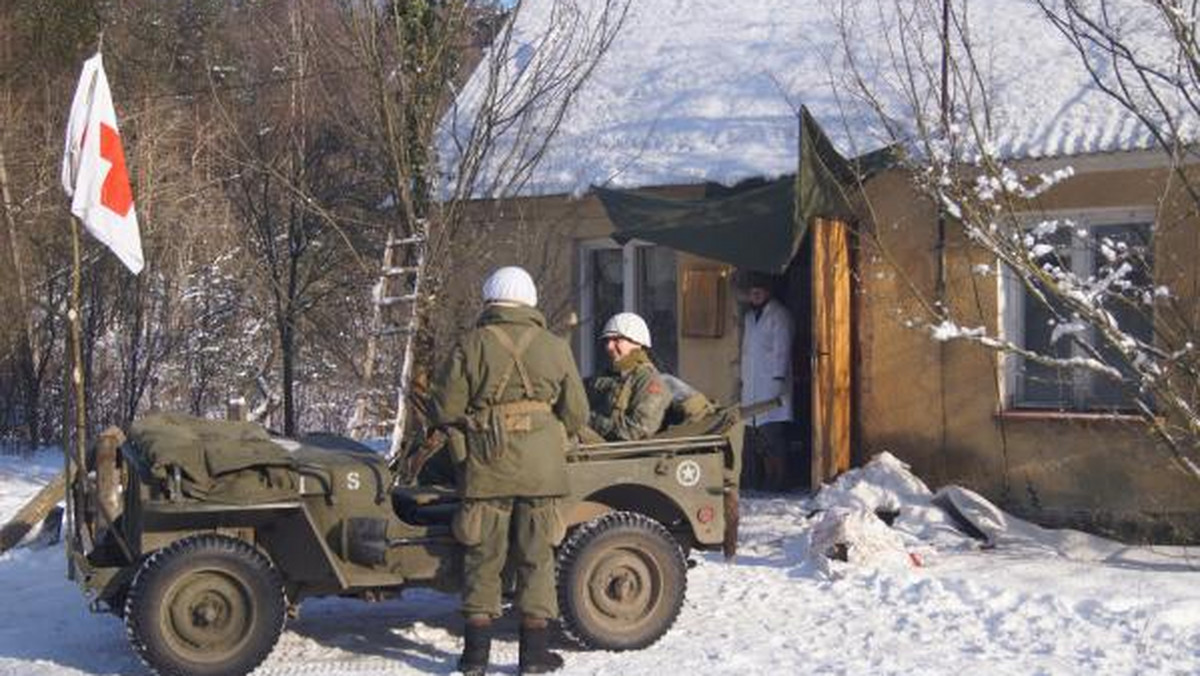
218	460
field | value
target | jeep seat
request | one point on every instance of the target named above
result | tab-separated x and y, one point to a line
426	505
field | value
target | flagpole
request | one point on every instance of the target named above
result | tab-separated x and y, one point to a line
75	316
96	179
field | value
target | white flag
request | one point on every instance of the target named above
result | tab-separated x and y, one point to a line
94	172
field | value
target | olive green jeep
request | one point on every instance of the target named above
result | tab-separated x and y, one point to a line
206	536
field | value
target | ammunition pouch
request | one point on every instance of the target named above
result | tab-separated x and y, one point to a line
488	430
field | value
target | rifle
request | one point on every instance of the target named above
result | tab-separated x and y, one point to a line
751	410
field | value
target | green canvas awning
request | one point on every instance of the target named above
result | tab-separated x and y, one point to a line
759	228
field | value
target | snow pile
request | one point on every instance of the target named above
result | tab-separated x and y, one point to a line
883	516
852	529
859	538
887	488
883	484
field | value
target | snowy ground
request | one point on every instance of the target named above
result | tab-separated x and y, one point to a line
1030	605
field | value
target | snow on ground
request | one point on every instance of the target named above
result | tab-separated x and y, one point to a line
1029	605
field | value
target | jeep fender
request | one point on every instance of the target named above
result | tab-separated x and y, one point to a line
283	531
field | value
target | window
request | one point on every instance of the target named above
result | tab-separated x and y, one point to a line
637	277
1090	246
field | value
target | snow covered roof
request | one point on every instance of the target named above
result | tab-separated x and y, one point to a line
707	90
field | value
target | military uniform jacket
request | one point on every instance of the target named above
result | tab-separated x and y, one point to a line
630	401
513	398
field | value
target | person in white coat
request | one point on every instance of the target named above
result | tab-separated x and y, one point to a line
767	333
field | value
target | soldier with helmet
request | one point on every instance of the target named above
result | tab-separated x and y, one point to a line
509	396
630	400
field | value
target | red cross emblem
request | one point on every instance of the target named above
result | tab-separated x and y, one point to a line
115	193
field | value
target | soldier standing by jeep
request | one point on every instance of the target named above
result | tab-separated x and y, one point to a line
509	395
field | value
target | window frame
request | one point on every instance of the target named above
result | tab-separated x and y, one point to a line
589	325
1012	296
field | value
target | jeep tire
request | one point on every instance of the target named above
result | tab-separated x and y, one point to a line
621	582
205	605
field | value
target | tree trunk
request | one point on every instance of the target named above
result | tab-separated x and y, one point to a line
27	353
287	345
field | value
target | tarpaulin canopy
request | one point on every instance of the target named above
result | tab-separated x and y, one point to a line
758	228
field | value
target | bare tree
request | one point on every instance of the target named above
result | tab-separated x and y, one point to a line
292	173
34	41
1110	319
449	151
273	149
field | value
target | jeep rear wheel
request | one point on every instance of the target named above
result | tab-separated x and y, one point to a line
205	605
621	582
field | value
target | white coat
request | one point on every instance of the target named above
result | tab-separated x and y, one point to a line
767	361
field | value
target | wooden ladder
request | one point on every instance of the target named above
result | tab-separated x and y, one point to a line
395	316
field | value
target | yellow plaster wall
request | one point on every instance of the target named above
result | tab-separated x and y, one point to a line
937	406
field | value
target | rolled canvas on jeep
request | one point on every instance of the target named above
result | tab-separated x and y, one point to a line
215	460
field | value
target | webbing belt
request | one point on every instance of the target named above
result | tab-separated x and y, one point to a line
523	406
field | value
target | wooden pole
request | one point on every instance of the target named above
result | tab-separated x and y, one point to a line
942	307
76	465
33	512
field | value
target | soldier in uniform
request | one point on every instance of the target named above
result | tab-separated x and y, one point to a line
630	400
509	395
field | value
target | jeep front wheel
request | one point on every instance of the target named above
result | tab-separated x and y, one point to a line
205	605
621	582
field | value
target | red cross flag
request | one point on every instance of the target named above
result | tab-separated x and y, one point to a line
94	173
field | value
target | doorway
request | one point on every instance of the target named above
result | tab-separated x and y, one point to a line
818	294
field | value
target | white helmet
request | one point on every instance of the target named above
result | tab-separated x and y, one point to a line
628	325
510	284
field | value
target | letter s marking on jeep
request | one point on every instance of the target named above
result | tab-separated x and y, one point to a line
352	481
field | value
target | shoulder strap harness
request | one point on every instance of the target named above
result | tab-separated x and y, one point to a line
516	350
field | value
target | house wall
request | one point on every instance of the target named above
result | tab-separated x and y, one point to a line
544	234
937	405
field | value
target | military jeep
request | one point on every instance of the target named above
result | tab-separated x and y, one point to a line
206	536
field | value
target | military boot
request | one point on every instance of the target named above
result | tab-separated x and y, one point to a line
535	657
477	648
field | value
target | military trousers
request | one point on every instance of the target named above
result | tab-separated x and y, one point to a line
494	529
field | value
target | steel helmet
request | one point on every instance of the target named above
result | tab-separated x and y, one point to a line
510	284
628	325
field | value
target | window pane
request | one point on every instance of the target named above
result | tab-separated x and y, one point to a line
656	302
1039	385
1117	245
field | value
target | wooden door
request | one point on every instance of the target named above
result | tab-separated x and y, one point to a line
831	350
